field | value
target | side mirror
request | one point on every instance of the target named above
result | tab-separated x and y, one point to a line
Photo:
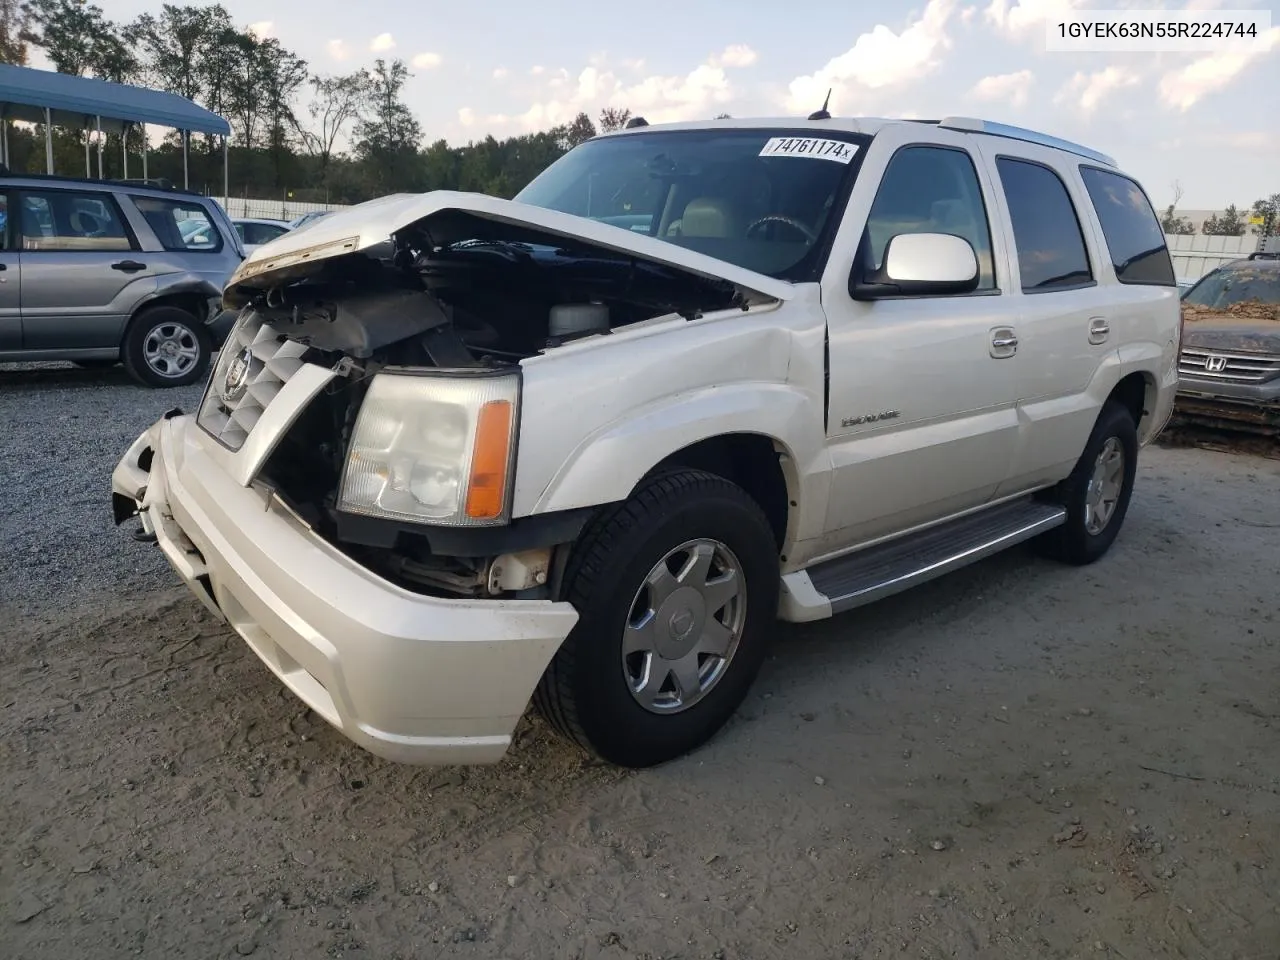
919	264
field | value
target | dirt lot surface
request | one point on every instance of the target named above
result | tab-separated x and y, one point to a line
1023	760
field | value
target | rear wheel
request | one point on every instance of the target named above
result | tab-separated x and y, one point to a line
1097	492
166	347
675	589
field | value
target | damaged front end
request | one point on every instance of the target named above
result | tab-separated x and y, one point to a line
403	454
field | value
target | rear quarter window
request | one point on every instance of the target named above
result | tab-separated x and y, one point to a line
180	225
1134	238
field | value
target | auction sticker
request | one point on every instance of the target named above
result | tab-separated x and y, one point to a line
836	150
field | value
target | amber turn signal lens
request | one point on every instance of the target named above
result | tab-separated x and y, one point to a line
487	489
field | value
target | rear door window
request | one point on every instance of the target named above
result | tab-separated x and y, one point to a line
1046	229
1134	237
180	224
66	220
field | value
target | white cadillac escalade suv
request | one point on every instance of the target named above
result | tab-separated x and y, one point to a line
585	447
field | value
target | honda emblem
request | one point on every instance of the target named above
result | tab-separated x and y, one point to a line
1214	364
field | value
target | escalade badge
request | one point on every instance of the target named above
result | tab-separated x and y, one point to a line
237	378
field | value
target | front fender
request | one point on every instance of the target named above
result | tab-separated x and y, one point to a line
606	466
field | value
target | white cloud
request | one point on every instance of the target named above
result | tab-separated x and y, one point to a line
382	43
1087	91
1011	88
262	29
467	117
338	49
734	55
1182	89
427	61
700	93
536	71
877	59
501	73
967	15
634	65
1017	18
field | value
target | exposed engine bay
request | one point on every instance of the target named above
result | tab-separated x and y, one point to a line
502	294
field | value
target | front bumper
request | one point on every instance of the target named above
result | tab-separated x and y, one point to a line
411	678
1248	407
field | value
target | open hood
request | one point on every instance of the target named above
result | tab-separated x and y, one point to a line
449	217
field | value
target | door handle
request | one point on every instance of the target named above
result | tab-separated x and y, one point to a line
1004	343
1099	330
129	266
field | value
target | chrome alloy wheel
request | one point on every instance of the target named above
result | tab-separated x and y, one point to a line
171	349
684	626
1104	487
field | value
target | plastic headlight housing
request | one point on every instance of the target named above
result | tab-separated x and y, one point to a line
434	448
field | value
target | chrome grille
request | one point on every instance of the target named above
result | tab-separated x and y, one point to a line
230	416
1228	367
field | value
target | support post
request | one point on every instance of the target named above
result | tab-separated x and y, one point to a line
100	177
226	168
48	141
124	149
88	169
4	138
186	143
144	151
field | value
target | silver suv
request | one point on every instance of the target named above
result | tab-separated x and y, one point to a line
102	272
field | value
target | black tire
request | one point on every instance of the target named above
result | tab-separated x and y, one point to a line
584	693
150	323
1073	542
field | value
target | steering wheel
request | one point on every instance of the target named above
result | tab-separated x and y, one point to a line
793	224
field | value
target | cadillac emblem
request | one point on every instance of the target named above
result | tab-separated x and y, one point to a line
237	378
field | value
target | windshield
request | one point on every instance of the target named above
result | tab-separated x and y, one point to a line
1227	285
766	200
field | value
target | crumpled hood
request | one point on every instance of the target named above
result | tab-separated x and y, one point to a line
449	216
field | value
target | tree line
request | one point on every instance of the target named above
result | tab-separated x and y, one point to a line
338	138
1231	222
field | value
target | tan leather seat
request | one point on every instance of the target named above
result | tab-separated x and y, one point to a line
712	217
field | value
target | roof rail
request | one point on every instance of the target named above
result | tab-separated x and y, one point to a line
973	125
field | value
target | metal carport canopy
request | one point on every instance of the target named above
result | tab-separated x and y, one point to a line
85	103
26	93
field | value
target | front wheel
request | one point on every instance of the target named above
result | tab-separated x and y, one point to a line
675	589
166	347
1096	494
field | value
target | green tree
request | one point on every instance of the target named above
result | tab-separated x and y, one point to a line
389	133
611	118
78	38
1170	222
14	21
1227	224
336	103
178	43
1268	208
579	131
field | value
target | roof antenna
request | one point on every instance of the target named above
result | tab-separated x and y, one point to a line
822	114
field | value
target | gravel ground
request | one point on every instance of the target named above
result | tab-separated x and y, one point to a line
1022	760
65	430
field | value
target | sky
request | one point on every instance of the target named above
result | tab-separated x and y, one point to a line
1210	121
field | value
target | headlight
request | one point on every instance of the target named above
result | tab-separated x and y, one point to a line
434	448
